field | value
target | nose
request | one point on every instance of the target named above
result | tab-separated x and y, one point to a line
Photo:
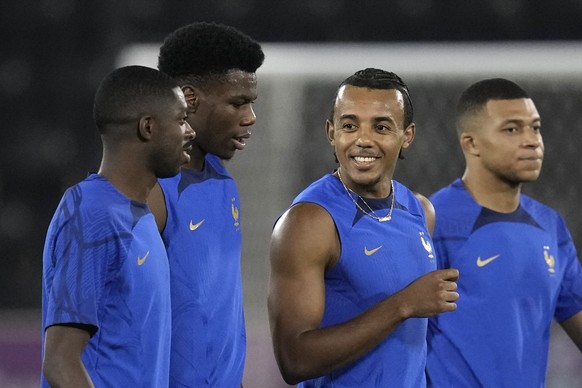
249	118
364	137
532	138
189	132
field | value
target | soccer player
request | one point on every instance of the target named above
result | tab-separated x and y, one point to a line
352	264
198	211
519	268
106	294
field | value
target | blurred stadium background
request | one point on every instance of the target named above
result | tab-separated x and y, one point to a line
54	53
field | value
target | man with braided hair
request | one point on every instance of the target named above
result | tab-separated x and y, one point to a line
198	211
353	271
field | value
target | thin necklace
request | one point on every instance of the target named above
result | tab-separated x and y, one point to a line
372	213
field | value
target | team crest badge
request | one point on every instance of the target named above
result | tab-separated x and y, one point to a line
427	245
550	261
235	212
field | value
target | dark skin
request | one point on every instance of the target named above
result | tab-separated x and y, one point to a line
305	244
222	115
62	365
127	163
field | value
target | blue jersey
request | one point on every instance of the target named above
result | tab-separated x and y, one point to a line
377	260
105	267
517	271
203	239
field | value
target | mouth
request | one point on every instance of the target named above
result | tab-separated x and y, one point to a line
187	149
364	160
240	141
532	159
533	162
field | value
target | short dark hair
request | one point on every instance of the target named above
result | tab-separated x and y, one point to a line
379	79
128	92
200	52
476	96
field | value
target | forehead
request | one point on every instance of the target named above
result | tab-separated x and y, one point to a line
179	101
359	100
518	109
172	105
179	95
237	83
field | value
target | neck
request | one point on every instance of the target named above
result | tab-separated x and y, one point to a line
376	189
493	193
131	179
369	212
196	159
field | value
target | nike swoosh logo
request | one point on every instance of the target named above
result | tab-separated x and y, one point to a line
141	260
482	263
195	226
371	251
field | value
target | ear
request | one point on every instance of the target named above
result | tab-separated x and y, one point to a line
192	97
469	145
329	131
145	128
409	134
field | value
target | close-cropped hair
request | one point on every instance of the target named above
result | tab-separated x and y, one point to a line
476	96
201	52
129	92
380	79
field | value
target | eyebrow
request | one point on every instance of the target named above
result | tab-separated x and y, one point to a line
376	119
348	117
519	121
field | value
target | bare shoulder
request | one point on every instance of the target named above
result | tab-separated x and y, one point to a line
429	212
306	231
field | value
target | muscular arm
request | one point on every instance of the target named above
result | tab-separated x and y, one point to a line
573	327
62	365
304	244
157	204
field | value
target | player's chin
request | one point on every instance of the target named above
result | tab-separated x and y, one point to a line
529	176
226	154
169	171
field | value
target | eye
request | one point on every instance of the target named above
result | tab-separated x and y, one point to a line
382	128
240	103
348	126
510	129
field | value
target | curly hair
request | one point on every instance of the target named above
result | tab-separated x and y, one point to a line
380	79
200	52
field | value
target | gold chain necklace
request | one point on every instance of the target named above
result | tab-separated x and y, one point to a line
371	214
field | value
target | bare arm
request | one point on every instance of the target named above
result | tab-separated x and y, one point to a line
157	204
573	327
62	365
304	244
429	212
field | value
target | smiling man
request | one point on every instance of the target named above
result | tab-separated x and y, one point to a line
518	263
352	266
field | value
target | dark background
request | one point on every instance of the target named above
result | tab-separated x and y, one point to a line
53	53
